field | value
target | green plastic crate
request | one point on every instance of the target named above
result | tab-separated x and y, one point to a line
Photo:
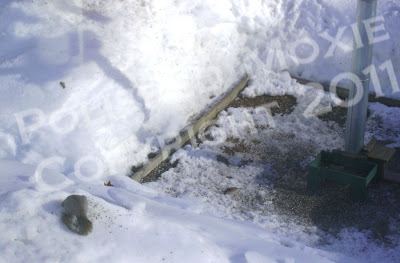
339	168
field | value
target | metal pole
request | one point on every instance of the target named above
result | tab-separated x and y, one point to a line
362	58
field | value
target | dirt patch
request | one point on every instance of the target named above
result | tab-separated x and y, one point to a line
331	208
338	115
159	170
286	103
234	145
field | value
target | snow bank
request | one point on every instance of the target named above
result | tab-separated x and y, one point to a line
135	71
130	75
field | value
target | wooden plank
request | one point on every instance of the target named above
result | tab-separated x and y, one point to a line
381	152
392	170
370	145
343	93
191	131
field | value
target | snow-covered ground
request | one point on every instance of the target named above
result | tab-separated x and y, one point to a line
134	72
131	224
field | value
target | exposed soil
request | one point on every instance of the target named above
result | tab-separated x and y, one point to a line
159	170
338	115
286	103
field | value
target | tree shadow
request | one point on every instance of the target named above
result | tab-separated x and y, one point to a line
38	60
92	46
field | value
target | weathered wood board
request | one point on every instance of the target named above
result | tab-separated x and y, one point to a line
192	130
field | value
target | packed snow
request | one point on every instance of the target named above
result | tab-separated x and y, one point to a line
90	88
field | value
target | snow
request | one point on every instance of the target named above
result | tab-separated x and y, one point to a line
387	120
131	223
135	72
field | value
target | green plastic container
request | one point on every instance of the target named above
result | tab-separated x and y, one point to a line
343	169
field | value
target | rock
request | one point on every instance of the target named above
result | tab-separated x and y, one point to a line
231	190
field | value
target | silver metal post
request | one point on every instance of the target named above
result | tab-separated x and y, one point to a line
362	58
